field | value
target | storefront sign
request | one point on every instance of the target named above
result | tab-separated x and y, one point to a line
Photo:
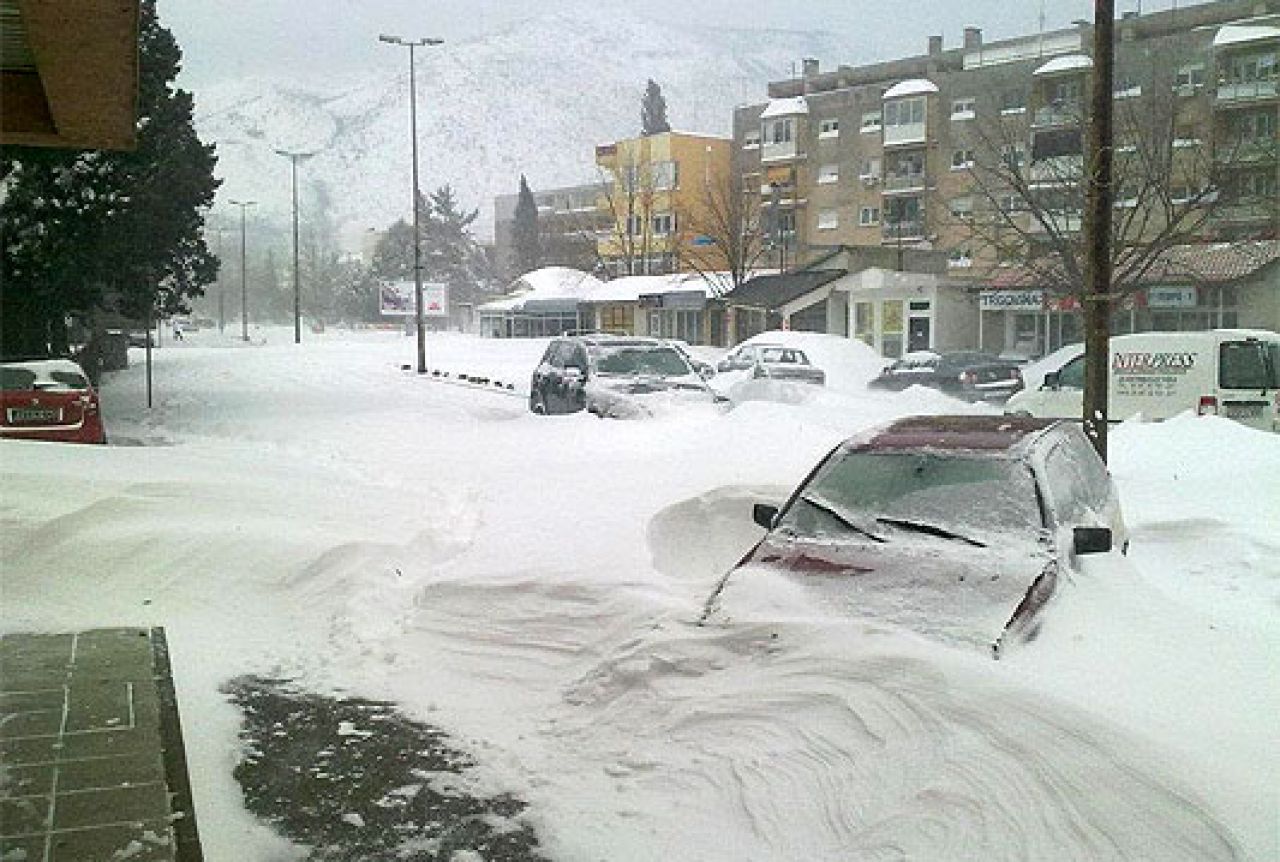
1171	297
1011	300
396	299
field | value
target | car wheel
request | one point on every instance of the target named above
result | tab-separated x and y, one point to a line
537	405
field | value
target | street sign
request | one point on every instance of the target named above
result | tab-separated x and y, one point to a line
395	299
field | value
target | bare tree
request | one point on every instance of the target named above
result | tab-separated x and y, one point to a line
629	191
722	235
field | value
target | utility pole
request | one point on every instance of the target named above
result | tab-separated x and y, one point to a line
294	158
417	234
1097	230
244	269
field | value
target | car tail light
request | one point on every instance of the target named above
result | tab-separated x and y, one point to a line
1208	406
1015	373
968	377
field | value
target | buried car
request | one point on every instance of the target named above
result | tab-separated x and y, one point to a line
614	376
774	362
956	527
969	375
49	399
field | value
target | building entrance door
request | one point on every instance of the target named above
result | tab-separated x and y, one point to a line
918	334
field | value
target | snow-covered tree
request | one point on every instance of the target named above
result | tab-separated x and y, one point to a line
85	231
653	111
526	237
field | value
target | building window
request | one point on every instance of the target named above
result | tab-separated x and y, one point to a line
751	140
787	223
1260	127
1013	102
904	112
1126	88
1247	68
618	319
870	171
635	225
960	258
961	208
963	109
864	322
1189	78
871	122
961	160
778	131
828	219
1010	204
663	224
1013	156
828	174
829	128
665	176
1065	93
869	216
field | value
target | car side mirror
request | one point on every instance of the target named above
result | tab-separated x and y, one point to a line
706	372
1092	540
764	515
1050	380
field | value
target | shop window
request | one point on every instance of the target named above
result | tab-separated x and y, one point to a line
864	322
891	329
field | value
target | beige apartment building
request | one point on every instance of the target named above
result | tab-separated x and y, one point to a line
953	150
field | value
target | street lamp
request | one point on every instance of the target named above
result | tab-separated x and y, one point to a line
244	270
294	158
417	238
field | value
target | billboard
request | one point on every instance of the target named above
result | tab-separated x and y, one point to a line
395	299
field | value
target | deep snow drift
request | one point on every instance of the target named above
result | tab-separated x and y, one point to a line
530	584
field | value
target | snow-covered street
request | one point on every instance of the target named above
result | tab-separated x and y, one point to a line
531	584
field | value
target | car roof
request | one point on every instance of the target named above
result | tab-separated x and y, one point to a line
598	339
993	434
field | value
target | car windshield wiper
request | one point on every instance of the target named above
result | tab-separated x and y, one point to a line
817	503
931	529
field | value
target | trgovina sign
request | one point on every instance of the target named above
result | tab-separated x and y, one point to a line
1011	300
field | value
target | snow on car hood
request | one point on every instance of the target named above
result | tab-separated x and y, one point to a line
944	590
632	395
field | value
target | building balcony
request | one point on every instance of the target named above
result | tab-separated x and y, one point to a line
1247	211
1049	116
912	134
909	230
1056	171
1238	92
1062	223
783	152
902	183
1246	154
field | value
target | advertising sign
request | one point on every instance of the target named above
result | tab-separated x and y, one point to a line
395	299
1011	300
1145	374
1171	297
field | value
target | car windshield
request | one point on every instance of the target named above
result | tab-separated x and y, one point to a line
629	359
963	492
783	354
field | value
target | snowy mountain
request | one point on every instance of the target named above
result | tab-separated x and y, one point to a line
534	98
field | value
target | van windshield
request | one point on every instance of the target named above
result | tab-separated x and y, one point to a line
1247	365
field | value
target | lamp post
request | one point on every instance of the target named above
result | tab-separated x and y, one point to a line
244	269
294	158
417	238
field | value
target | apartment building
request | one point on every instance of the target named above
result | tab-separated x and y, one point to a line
657	202
569	222
977	150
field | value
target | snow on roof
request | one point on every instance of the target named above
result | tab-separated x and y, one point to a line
631	287
1065	63
911	87
785	107
1235	34
550	282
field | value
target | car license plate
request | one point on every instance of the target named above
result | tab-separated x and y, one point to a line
1242	411
31	415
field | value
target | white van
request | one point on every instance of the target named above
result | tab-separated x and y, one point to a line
1228	372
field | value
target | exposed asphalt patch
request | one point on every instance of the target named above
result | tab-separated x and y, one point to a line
353	779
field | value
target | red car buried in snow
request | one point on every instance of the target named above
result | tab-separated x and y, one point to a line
49	399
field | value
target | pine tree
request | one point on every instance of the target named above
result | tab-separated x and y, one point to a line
525	233
86	231
653	111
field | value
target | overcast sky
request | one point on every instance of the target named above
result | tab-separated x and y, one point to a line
300	39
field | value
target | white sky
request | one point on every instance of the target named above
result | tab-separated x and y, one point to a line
302	39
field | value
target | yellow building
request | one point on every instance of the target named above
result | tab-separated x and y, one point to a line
663	203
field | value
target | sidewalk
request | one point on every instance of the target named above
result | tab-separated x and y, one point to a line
91	759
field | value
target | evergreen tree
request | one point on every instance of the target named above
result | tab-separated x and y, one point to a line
653	111
526	236
85	231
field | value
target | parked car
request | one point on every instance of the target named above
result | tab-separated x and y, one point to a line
958	527
1229	372
774	362
969	375
614	376
49	399
705	369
